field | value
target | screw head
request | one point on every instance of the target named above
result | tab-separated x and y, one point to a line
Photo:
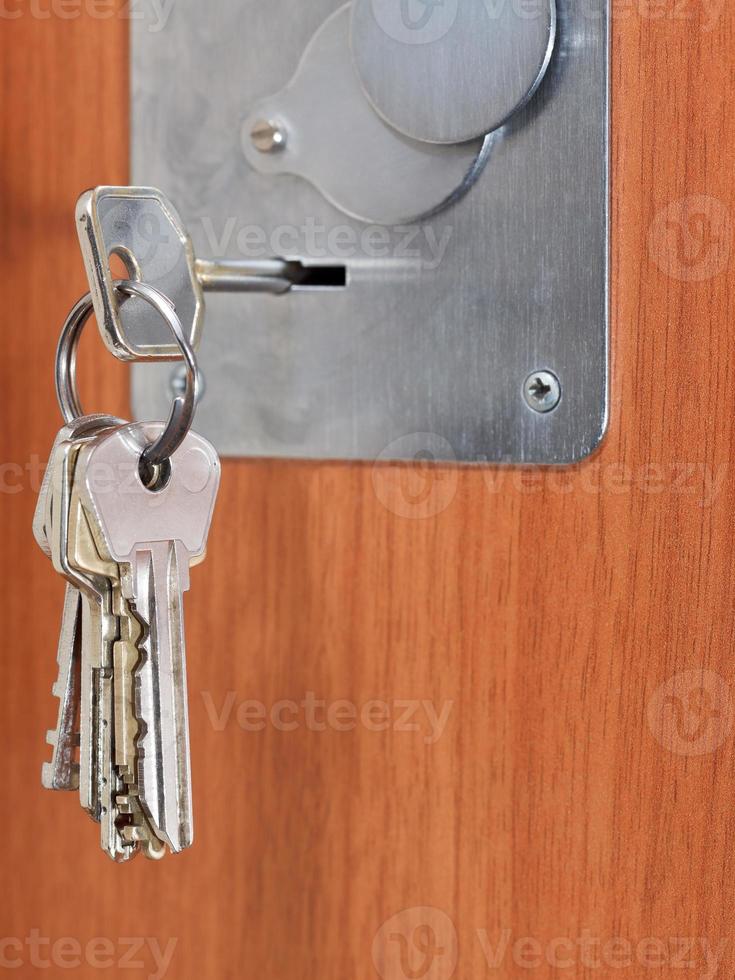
268	136
542	391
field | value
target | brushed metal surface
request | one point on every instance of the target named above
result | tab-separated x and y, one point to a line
141	227
442	321
359	163
452	70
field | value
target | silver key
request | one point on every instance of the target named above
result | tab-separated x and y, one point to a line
63	772
87	425
141	225
99	625
114	727
99	631
97	628
155	536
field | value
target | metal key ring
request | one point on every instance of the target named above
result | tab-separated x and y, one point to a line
182	411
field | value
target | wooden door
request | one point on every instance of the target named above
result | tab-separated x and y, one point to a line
511	747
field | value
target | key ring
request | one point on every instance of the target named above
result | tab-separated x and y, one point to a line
181	418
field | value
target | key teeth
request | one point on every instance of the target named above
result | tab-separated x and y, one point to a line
133	835
154	852
47	776
49	782
128	852
138	832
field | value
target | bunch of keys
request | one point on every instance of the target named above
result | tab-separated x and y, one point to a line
124	512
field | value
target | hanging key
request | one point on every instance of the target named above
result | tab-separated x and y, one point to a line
63	772
98	623
103	791
123	823
121	656
156	536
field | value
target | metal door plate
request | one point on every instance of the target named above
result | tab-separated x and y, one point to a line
434	345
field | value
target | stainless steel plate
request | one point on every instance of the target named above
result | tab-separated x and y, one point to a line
441	322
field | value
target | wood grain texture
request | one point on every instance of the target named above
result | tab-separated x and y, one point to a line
564	799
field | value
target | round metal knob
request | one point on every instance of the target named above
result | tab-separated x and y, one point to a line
447	71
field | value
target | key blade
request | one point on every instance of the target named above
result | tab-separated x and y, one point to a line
62	773
159	577
155	536
125	829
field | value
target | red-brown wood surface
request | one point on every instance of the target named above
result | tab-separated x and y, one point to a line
563	641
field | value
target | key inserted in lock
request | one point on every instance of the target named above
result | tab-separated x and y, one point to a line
142	228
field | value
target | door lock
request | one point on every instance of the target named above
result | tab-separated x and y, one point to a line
414	195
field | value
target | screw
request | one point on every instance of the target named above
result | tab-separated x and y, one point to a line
268	136
542	391
177	382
